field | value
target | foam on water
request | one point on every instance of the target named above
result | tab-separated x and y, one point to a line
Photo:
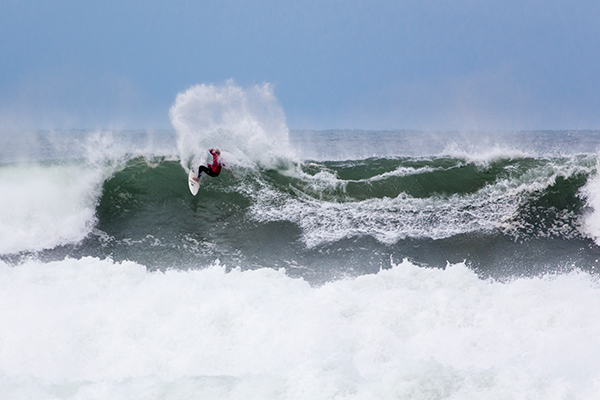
591	220
402	171
91	329
392	219
43	206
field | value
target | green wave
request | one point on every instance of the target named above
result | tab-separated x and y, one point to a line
329	219
153	196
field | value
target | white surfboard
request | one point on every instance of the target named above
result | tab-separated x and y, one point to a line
194	186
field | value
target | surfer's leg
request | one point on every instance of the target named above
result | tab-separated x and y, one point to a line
202	169
206	170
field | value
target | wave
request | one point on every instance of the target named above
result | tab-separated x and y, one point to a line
438	198
140	209
43	206
93	328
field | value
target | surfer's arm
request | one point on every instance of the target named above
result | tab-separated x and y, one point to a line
223	165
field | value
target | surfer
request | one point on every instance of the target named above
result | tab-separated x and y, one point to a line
213	169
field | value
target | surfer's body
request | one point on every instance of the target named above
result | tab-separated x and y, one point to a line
213	169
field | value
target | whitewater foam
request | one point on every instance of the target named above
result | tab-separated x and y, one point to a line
591	219
94	328
387	219
43	206
50	200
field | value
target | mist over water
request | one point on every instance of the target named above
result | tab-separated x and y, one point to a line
336	264
248	124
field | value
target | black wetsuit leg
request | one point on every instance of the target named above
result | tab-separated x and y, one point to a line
207	171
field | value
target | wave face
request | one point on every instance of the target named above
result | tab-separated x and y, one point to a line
322	220
335	264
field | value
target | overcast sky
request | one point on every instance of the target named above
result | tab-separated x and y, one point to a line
416	64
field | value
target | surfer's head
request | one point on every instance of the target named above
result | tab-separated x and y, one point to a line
218	151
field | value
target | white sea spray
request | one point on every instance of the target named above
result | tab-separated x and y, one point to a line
93	328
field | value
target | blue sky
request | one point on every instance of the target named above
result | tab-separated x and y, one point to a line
428	64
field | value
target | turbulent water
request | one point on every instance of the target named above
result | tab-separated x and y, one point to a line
335	264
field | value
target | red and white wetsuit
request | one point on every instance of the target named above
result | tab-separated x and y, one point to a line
216	165
214	169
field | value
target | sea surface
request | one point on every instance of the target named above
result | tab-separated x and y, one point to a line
342	264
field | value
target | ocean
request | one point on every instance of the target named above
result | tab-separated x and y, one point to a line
335	264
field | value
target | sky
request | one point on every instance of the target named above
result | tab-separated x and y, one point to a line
414	64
